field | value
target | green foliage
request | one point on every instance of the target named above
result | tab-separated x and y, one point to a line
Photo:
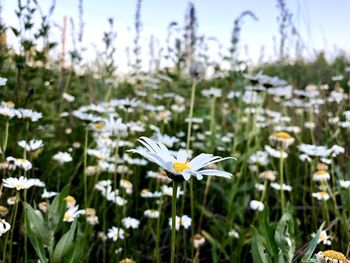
274	244
44	231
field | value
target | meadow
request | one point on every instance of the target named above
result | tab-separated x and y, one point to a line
169	163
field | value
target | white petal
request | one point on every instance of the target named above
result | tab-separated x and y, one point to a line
212	172
181	156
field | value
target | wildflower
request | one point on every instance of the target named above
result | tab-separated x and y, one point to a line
151	213
146	193
282	139
70	201
19	162
62	157
127	260
159	154
71	213
198	240
268	175
260	187
197	72
3	81
184	221
331	256
43	206
129	222
92	219
4	227
313	150
233	233
7	111
344	183
127	185
115	233
29	114
47	194
275	153
324	238
285	187
212	92
32	146
321	196
3	210
260	158
68	97
168	190
322	167
304	157
256	205
18	183
12	200
321	175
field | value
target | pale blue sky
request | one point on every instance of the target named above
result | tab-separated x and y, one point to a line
323	24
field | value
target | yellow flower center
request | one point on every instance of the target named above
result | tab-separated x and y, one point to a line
67	217
180	167
19	186
282	135
323	194
10	104
321	172
99	125
334	255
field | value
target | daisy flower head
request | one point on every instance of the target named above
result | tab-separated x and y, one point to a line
3	81
184	221
18	183
159	154
321	196
19	162
32	145
151	213
198	240
4	227
129	222
256	205
331	256
281	138
62	157
324	238
115	233
321	175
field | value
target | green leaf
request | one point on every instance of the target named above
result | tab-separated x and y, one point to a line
38	246
284	237
57	209
312	246
37	225
65	244
78	250
258	249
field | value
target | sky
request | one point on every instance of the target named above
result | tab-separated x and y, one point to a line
323	24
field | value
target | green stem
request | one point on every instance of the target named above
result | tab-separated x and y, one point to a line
85	164
281	182
4	145
173	222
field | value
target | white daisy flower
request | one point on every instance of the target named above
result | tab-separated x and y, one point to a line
115	233
129	222
256	205
3	81
18	183
33	145
184	221
4	227
19	162
158	153
62	157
